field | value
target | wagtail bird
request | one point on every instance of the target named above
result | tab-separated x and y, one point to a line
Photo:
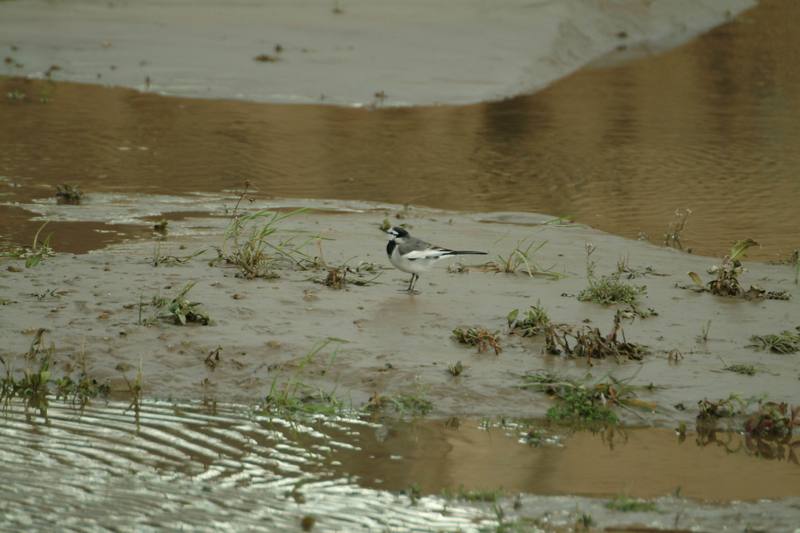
413	255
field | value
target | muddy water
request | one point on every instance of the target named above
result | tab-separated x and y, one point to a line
710	126
184	464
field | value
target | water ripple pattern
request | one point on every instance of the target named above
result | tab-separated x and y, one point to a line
197	467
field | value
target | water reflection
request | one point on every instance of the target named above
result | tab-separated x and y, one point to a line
711	126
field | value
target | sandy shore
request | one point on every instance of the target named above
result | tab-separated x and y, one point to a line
352	52
395	343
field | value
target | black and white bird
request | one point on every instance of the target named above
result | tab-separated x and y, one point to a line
413	255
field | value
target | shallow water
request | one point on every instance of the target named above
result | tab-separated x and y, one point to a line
188	464
710	126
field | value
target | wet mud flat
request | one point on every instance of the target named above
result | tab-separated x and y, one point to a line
314	339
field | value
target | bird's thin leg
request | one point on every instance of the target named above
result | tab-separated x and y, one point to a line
410	283
414	279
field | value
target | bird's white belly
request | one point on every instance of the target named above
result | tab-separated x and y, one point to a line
412	266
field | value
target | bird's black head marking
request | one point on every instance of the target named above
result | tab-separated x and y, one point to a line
397	232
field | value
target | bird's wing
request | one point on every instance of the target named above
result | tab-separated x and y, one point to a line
433	252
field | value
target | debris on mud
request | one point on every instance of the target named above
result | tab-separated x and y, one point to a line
785	342
68	194
480	337
180	309
589	342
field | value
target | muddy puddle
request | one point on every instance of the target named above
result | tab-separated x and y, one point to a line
186	464
710	126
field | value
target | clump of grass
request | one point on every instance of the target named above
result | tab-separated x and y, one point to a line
609	289
584	403
726	277
773	421
35	253
472	495
785	342
534	322
294	397
747	370
521	259
480	337
631	505
68	194
180	309
589	342
403	404
673	236
252	245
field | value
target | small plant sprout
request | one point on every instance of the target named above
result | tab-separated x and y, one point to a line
36	253
180	310
480	337
520	259
455	369
672	238
534	322
703	337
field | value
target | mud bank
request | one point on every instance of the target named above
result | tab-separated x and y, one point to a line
391	342
353	52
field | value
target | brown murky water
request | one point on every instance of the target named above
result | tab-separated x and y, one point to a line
187	464
711	126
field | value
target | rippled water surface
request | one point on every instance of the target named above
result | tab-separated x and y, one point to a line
198	465
711	126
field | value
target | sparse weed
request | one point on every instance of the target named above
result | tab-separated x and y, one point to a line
584	403
171	260
746	370
785	342
722	408
294	397
401	404
33	384
625	504
34	254
467	495
480	337
520	259
533	323
673	236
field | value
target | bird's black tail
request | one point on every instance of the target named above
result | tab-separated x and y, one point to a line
465	252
